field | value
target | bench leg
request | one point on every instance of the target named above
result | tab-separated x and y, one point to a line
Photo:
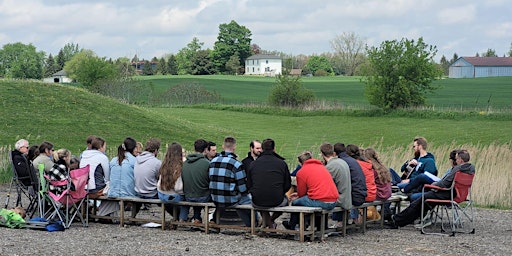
121	213
323	219
253	221
206	219
162	209
365	212
301	226
345	220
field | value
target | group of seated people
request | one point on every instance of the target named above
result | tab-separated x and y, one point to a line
345	176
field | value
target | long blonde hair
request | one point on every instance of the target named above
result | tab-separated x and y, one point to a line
171	167
384	175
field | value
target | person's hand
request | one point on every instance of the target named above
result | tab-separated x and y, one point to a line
293	196
413	162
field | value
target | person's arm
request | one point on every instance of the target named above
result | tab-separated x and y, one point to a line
241	180
301	185
106	168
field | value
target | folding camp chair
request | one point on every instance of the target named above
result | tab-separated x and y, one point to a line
67	206
456	212
25	185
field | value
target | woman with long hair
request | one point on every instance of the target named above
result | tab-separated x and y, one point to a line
60	170
170	184
382	177
122	182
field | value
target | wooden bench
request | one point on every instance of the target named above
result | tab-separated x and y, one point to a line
122	218
303	212
364	208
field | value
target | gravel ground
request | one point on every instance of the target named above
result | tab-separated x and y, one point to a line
493	237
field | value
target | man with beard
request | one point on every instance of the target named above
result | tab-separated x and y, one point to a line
420	170
254	152
413	211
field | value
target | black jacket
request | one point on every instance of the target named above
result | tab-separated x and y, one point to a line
357	179
23	169
268	179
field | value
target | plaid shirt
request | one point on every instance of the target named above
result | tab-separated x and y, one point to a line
227	179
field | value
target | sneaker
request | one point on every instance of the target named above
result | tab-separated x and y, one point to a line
426	223
338	224
195	221
401	195
392	224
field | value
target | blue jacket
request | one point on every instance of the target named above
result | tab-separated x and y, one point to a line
122	182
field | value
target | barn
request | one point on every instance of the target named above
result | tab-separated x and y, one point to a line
263	64
473	67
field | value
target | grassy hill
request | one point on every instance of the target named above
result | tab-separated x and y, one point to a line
65	116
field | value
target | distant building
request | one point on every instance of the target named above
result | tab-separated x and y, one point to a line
59	77
263	64
472	67
139	66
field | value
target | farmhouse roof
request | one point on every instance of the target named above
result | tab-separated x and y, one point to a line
489	61
60	73
263	56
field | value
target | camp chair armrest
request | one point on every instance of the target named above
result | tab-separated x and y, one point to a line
430	186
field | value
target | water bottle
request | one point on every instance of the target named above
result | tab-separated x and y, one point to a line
297	236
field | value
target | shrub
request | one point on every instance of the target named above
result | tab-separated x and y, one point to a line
289	91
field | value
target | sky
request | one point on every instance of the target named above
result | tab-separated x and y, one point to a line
153	28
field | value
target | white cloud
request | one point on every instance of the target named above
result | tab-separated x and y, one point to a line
457	15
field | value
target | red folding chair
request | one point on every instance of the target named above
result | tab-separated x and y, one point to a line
456	212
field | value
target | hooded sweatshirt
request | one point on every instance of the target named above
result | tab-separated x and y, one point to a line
145	173
447	180
426	163
99	172
195	176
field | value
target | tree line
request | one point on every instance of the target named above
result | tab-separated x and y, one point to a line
397	74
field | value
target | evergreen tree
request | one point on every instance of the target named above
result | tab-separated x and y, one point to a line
61	60
161	67
172	67
50	66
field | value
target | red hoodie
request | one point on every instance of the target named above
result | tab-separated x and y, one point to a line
315	180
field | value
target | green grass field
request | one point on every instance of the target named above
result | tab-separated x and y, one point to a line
65	116
466	94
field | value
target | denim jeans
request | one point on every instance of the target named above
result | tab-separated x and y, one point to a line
415	196
184	210
166	198
306	201
417	183
245	215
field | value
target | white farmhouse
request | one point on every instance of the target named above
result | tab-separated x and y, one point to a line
263	64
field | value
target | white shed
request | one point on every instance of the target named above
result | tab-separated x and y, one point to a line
472	67
263	64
